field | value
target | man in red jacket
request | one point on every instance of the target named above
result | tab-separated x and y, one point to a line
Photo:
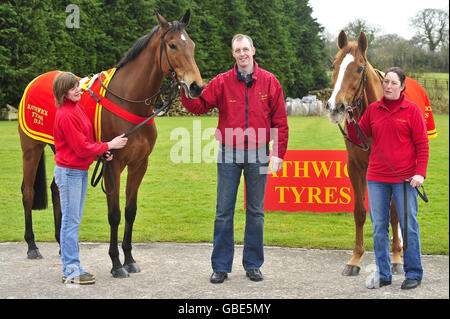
252	112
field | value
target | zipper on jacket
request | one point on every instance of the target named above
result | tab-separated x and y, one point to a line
246	118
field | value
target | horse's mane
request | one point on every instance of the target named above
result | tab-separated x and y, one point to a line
141	44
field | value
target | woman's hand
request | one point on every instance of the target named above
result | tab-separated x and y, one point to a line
118	142
417	180
108	156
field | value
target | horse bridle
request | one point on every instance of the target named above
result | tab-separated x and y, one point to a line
171	85
174	89
359	94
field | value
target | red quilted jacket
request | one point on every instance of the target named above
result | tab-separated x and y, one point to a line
400	136
74	138
250	113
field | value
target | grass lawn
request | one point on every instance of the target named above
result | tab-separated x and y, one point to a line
177	202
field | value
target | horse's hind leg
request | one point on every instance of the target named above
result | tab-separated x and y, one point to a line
134	179
57	214
397	263
32	156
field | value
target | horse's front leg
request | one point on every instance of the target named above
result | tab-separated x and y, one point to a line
134	179
397	263
114	215
359	213
357	176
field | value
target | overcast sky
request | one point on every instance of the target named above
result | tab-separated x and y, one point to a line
390	16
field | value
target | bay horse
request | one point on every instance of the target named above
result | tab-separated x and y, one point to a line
356	84
166	50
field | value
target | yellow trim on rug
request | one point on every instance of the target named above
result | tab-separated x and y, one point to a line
23	125
432	133
98	107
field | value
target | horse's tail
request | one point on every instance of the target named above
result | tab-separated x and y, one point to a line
40	186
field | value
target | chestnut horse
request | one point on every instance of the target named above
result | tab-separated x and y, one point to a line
167	49
356	84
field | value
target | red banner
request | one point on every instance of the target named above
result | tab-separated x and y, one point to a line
315	181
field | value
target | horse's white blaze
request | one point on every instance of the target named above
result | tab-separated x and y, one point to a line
347	60
183	37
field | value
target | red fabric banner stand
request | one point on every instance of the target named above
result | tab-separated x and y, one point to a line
314	181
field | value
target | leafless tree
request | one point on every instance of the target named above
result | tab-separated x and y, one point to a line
431	26
354	28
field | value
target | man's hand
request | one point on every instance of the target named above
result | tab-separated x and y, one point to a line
276	164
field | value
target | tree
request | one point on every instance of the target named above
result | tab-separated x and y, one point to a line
432	28
35	38
353	29
304	35
26	46
211	36
288	44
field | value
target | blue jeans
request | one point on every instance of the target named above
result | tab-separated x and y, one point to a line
379	203
72	185
230	164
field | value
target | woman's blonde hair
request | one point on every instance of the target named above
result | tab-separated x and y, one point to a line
62	83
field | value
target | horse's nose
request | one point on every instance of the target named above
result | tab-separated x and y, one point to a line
341	107
195	90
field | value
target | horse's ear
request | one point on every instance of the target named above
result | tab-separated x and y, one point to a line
162	22
362	43
186	17
342	39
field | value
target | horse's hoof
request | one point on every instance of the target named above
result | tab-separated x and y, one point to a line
351	270
132	268
34	254
119	273
397	269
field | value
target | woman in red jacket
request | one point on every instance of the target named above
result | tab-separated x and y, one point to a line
75	151
399	134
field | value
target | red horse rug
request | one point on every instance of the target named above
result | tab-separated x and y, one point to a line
37	108
416	93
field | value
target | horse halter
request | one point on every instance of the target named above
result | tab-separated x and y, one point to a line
163	46
360	90
358	97
174	85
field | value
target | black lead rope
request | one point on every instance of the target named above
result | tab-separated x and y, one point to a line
94	181
364	146
405	218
